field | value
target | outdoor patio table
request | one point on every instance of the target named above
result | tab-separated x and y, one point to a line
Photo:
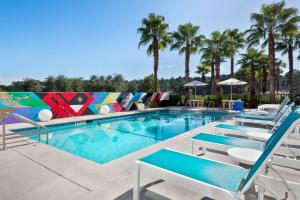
196	103
229	102
244	155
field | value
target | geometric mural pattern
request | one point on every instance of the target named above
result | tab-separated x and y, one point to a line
69	104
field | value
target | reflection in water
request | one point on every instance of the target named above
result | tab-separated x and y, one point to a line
107	139
187	123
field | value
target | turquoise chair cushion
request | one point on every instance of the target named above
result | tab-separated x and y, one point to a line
270	115
218	174
229	141
255	118
239	128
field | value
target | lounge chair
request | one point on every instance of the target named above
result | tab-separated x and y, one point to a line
263	121
223	143
255	133
264	114
271	106
238	130
215	179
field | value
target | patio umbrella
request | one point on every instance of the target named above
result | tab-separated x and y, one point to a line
195	84
231	82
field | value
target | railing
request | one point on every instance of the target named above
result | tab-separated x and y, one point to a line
23	119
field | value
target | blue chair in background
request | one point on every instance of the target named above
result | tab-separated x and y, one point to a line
238	106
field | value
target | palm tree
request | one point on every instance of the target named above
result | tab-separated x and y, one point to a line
208	57
187	40
288	42
279	65
251	60
264	73
267	26
154	31
217	46
238	42
203	69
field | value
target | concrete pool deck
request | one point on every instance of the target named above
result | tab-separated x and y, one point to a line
38	171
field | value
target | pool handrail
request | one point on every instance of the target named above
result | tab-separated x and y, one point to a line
23	119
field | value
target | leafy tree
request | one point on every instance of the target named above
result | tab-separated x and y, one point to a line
63	84
288	42
32	85
237	42
77	84
4	88
187	40
95	83
267	26
203	69
147	83
251	60
118	82
49	84
16	86
133	86
154	31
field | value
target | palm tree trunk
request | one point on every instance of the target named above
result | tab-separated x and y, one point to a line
291	70
264	80
187	63
213	83
232	66
156	58
218	78
203	77
187	71
277	78
271	44
252	87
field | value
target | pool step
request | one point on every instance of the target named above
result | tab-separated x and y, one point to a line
18	142
14	136
15	139
8	135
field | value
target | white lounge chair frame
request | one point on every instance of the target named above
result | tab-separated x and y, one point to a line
192	184
183	181
272	106
265	114
273	122
242	133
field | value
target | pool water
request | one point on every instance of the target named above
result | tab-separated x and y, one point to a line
103	140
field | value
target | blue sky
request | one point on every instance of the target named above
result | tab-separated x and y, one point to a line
79	38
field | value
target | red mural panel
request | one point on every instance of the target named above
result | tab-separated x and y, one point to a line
157	97
66	104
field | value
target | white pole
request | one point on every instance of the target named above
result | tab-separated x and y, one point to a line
195	93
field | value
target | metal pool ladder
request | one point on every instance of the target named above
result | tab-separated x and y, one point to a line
10	136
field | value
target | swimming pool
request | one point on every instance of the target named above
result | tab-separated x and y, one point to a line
103	140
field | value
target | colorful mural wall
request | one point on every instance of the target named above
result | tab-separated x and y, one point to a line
68	104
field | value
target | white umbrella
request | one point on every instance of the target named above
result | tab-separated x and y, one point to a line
195	84
231	82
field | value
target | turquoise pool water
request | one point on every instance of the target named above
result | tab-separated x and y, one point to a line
103	140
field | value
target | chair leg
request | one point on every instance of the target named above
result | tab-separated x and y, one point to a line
260	193
203	151
136	187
